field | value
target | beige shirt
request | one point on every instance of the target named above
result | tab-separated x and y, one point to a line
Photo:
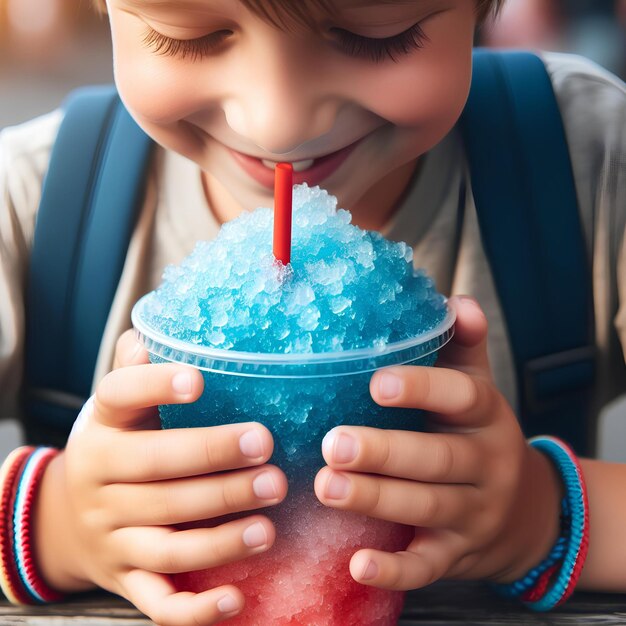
445	240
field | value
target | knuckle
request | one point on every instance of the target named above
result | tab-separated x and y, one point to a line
150	381
443	460
427	507
103	510
396	575
87	459
165	506
374	499
468	391
465	563
429	573
150	459
220	551
229	497
421	383
197	618
96	521
140	462
495	403
213	453
168	558
166	614
381	451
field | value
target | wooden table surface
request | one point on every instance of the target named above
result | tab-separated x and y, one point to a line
438	605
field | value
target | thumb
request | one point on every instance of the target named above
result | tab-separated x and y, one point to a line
129	351
467	351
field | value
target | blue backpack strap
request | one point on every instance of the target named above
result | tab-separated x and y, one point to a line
525	197
90	199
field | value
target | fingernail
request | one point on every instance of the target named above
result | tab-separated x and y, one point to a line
340	447
264	487
255	535
181	383
227	604
369	571
251	444
469	300
389	385
337	487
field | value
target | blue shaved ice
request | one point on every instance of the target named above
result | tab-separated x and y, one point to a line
345	288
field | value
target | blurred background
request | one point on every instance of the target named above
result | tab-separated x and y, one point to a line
594	28
48	47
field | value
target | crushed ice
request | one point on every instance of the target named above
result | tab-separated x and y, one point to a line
345	288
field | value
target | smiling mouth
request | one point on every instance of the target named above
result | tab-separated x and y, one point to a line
310	171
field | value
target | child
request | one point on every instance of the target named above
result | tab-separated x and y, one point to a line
376	87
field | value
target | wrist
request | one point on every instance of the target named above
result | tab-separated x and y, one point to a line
536	518
56	552
553	580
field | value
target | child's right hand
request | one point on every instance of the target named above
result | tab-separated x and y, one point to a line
121	485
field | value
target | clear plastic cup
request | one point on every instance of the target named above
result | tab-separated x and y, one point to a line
304	578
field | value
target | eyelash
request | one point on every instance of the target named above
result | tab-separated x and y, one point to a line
194	49
375	50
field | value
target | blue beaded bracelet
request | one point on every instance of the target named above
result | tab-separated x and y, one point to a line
529	580
570	550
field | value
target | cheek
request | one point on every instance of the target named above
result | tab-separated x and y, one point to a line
425	99
428	91
156	89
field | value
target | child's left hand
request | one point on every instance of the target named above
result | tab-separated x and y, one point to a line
485	504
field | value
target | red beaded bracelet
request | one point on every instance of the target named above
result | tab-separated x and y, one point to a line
10	473
20	477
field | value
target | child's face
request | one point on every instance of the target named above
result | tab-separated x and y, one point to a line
247	87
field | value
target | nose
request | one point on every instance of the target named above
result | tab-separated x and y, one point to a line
281	102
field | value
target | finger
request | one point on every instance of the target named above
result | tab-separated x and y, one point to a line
153	455
461	399
186	500
124	395
424	457
401	501
155	596
170	551
129	351
467	351
425	561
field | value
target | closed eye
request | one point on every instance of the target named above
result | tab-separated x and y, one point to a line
192	49
378	50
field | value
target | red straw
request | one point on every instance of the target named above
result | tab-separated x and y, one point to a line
283	184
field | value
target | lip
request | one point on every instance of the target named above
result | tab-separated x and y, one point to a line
321	169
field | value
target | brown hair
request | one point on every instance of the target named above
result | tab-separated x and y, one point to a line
275	10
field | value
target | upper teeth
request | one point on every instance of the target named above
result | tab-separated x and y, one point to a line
298	166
